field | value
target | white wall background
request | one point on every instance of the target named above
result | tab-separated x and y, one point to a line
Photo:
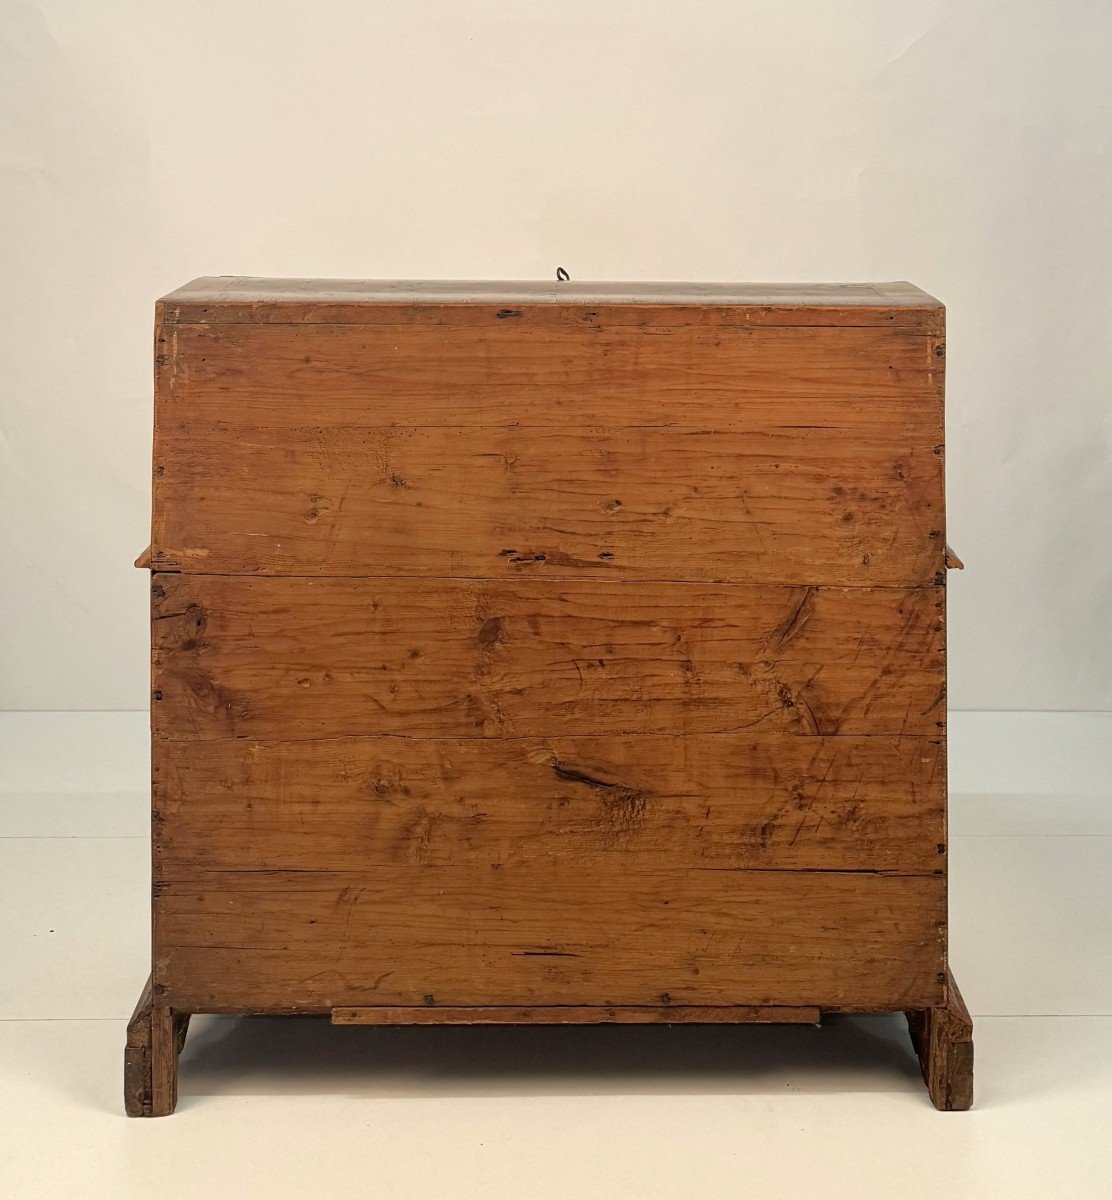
963	144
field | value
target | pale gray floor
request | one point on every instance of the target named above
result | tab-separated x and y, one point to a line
295	1108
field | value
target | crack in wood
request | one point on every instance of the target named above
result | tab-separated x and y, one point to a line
796	619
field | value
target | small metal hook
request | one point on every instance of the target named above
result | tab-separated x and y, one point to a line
561	275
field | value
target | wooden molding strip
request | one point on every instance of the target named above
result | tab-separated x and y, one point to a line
953	563
556	1014
143	562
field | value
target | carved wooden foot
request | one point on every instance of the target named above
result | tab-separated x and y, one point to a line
943	1039
155	1036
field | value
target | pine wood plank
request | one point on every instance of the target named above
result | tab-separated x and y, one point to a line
790	506
729	800
310	658
548	934
779	455
555	1014
522	375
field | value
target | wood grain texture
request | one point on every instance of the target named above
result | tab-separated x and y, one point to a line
155	1037
554	1014
548	652
792	455
730	800
138	1095
164	1061
246	299
528	374
545	934
313	658
788	506
943	1039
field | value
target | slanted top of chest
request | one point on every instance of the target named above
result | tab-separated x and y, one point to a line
787	434
237	299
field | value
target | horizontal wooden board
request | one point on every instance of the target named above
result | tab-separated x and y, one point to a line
306	941
802	506
783	455
566	1014
299	378
363	301
309	658
708	800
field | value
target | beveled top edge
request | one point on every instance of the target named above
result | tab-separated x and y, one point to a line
249	290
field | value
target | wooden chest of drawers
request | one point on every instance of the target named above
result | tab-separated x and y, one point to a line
548	653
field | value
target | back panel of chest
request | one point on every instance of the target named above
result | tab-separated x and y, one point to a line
530	648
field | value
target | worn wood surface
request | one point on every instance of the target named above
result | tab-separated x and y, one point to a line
297	658
530	374
138	1095
546	933
555	1014
708	800
782	455
943	1038
802	506
155	1037
246	299
549	652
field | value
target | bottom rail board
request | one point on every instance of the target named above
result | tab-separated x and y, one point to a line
547	934
557	1014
